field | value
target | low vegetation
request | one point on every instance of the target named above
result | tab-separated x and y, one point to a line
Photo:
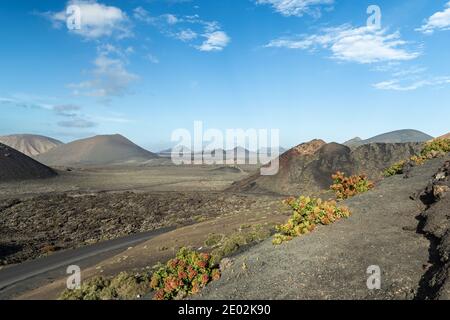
124	286
433	149
307	214
346	187
185	275
228	245
182	276
396	168
436	148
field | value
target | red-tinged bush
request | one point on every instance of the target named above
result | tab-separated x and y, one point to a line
347	187
185	275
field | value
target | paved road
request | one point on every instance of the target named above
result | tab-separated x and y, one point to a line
42	267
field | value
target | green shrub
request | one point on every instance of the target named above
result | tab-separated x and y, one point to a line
124	286
436	148
433	149
213	240
396	168
185	275
307	214
233	242
346	187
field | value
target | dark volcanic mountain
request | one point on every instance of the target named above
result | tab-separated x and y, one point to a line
15	166
307	168
29	144
98	150
400	136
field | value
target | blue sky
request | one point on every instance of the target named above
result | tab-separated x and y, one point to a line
311	68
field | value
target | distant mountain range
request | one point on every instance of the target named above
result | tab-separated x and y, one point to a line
118	150
29	144
236	153
97	151
400	136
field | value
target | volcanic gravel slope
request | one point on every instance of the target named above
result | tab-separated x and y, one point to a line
15	166
331	263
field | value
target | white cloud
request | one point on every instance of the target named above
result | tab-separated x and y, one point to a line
187	28
153	59
411	85
109	77
186	35
362	45
215	41
97	20
438	21
297	7
171	19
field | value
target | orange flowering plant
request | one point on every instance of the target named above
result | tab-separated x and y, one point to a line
307	214
347	187
185	275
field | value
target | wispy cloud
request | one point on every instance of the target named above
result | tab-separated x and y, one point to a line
186	35
297	7
26	101
438	21
109	76
142	15
188	29
73	118
97	20
77	123
152	58
411	85
363	45
66	110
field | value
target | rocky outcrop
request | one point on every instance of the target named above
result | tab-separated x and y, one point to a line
435	225
307	168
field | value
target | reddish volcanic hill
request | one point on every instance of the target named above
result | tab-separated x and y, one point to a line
307	168
15	166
